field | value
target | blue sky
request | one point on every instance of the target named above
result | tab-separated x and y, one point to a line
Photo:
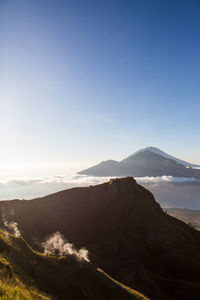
85	81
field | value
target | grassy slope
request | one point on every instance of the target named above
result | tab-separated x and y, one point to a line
136	294
26	275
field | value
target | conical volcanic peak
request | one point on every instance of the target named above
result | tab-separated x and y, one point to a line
150	161
157	151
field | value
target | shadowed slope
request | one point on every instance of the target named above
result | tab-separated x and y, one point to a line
126	232
25	274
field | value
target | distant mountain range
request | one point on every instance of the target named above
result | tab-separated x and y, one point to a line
150	161
126	233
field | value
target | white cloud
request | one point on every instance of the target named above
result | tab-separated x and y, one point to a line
85	179
36	187
168	179
168	191
75	179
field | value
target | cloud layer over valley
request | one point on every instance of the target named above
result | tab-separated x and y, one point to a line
169	191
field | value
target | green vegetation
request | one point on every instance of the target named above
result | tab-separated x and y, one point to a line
11	284
135	293
126	233
26	274
11	292
191	225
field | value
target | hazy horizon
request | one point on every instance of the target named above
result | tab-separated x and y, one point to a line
27	181
21	169
83	82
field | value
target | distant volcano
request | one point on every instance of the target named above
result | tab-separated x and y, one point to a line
150	161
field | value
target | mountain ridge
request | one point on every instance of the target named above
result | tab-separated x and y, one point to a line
150	162
125	231
162	153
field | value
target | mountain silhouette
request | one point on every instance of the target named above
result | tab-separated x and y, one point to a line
146	162
126	232
164	154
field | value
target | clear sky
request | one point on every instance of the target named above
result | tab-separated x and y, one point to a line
84	81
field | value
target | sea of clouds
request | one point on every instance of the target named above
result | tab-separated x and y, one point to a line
169	191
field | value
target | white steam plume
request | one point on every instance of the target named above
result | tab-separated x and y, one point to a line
57	244
13	227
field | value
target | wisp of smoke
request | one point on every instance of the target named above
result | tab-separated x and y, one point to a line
13	227
56	244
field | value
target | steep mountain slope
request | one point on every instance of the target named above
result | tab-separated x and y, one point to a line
126	232
26	274
143	163
164	154
106	168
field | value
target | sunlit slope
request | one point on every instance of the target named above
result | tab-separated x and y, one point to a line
26	274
